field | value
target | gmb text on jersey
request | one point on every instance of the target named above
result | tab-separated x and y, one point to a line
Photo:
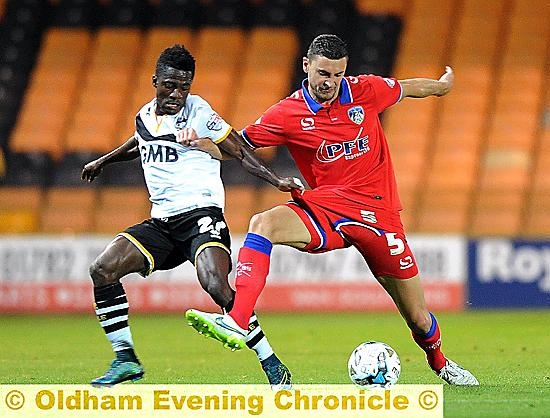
152	153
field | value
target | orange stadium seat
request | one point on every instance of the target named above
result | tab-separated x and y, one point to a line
240	204
427	29
218	52
269	197
68	210
119	207
537	221
101	105
44	116
502	204
257	91
393	7
19	209
443	211
496	213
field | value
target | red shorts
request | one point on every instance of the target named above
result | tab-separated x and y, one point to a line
377	233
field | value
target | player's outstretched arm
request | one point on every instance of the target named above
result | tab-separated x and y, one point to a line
424	87
235	146
125	152
190	138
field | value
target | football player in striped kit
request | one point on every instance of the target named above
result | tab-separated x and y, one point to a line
178	138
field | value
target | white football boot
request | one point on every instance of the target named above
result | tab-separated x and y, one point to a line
453	374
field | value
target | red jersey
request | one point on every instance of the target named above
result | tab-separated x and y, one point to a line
339	147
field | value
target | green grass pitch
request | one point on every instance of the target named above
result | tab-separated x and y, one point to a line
509	352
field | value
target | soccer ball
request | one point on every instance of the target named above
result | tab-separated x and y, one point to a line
374	365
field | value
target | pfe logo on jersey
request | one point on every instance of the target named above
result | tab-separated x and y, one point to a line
356	114
214	123
390	82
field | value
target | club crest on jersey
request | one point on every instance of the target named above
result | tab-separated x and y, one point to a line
180	122
356	114
214	123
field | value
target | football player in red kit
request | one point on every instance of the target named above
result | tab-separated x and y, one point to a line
332	130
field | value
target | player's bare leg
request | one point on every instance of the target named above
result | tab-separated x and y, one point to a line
213	265
268	228
408	296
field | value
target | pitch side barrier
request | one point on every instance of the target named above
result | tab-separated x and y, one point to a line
50	274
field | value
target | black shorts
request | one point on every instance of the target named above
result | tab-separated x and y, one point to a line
168	242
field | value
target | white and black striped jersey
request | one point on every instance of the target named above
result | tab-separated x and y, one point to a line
180	179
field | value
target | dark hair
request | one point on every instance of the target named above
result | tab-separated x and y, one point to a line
177	57
328	46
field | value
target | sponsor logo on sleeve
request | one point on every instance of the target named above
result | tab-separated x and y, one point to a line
215	122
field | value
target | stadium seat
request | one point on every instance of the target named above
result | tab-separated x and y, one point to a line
126	13
19	209
44	116
176	13
68	210
75	14
388	7
257	91
461	120
496	213
20	35
102	102
537	221
217	73
276	13
233	174
270	197
502	197
125	173
443	210
240	204
67	171
226	13
374	44
28	169
120	207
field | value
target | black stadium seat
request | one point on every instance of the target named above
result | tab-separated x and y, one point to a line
186	13
277	13
126	13
374	44
75	13
28	169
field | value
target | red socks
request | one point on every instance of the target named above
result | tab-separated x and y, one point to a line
251	275
431	344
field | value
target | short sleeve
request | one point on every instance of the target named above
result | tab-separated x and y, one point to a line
387	90
208	124
268	130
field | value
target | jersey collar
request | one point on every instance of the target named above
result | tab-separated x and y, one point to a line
345	96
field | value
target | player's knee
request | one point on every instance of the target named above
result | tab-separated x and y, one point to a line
101	275
419	321
260	224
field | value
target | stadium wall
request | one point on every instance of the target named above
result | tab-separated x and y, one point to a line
50	274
